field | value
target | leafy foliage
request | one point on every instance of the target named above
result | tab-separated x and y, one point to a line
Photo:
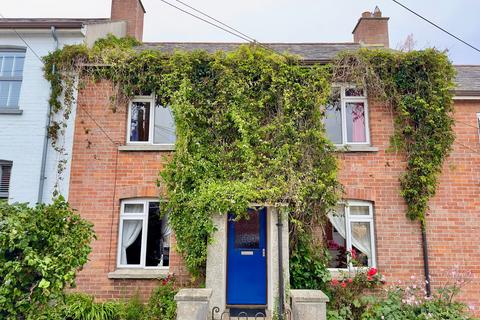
41	248
161	304
79	306
249	129
418	86
309	265
398	305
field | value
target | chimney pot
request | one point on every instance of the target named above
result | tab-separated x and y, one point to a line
372	29
131	11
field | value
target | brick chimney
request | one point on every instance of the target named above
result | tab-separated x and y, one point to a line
131	11
372	29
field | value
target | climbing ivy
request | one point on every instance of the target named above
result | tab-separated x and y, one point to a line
418	86
249	127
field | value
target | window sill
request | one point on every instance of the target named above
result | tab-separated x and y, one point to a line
10	111
138	274
356	148
147	147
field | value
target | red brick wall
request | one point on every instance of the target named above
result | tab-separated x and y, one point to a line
454	218
98	183
100	177
372	31
132	12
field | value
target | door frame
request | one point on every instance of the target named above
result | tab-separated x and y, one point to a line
267	259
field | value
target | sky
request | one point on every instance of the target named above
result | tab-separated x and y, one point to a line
284	20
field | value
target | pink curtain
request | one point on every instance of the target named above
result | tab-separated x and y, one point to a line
358	126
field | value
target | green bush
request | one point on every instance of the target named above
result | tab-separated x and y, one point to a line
41	248
162	304
410	303
350	301
83	307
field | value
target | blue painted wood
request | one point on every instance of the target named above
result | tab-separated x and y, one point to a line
247	260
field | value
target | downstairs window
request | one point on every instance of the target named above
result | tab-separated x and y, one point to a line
144	236
350	236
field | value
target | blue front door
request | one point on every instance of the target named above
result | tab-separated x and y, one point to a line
247	259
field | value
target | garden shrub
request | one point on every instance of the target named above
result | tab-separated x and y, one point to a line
161	304
41	248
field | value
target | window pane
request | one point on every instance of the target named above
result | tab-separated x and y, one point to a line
4	91
333	117
133	208
356	122
247	232
354	92
14	94
361	243
18	66
359	210
164	130
154	237
131	242
7	66
140	121
336	238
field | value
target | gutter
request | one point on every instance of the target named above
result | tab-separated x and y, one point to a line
41	185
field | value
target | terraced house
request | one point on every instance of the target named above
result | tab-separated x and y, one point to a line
116	158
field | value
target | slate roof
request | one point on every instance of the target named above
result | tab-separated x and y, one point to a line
468	76
321	52
468	80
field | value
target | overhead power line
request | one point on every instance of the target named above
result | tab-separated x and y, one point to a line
437	26
223	26
23	40
216	20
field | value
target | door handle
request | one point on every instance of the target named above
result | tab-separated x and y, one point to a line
263	252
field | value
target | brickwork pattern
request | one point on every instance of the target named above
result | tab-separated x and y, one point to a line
98	182
132	12
101	177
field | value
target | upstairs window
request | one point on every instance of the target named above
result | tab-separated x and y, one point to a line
346	116
350	236
5	172
144	236
149	123
11	73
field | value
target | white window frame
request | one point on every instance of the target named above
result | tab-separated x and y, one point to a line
343	103
136	216
13	77
348	230
151	125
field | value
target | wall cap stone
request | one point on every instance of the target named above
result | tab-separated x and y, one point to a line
193	294
308	296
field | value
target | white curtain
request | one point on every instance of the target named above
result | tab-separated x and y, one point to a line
131	230
166	230
360	235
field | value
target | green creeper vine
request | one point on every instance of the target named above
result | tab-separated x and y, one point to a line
249	128
418	86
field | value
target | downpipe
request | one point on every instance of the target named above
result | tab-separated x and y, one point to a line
426	264
281	286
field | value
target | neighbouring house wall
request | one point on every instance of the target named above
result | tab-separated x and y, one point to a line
23	134
101	177
454	218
